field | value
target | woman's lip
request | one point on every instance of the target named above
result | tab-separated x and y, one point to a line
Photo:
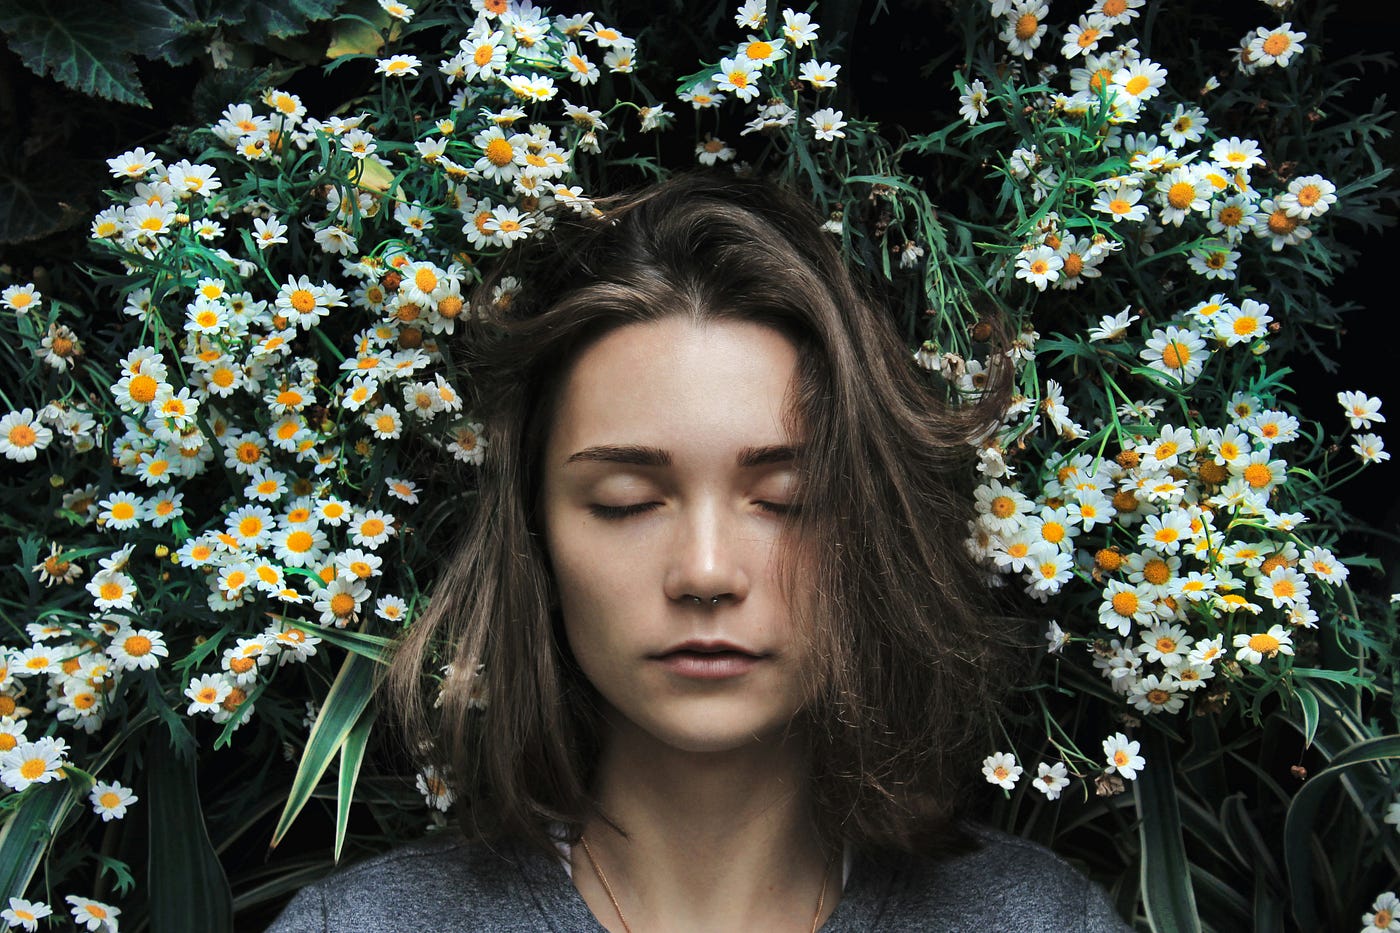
700	646
710	665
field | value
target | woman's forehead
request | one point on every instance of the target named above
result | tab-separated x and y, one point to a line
678	385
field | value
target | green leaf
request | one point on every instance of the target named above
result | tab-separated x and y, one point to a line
1302	815
284	18
185	880
83	45
347	699
1167	895
119	870
174	30
27	833
1307	703
352	755
374	647
36	199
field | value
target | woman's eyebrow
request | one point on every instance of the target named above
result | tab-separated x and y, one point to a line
637	455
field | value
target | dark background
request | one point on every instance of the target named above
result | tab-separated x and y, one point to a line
54	142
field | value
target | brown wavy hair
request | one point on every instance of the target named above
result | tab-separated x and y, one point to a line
911	658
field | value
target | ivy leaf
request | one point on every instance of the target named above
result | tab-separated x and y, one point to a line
283	18
120	870
83	45
175	30
36	196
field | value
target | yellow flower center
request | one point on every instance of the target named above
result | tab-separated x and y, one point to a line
1026	26
1308	195
1284	589
372	527
1181	194
302	300
299	541
1121	758
1230	216
1276	44
22	435
1088	37
32	768
1216	260
1156	572
483	54
1258	475
250	527
1175	356
110	592
142	388
1003	507
384	424
1074	264
1040	267
109	799
1137	84
137	645
249	452
1281	223
342	604
1245	325
1264	643
1125	603
1053	532
1158	697
759	50
500	152
1120	206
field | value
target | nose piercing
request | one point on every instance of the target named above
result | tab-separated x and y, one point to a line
714	600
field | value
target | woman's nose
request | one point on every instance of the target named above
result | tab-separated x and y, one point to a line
707	560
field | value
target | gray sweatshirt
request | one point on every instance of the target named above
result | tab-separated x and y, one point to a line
445	883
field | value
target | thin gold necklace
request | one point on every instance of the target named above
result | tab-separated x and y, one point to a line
816	918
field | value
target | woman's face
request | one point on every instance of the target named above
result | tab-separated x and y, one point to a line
668	470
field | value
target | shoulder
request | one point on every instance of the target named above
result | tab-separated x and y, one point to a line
1017	885
443	882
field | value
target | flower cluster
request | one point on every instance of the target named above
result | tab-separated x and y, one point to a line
1175	519
762	72
289	291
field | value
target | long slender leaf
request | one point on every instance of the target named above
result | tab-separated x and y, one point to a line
186	883
26	834
1307	703
347	699
352	755
1167	894
1302	816
374	647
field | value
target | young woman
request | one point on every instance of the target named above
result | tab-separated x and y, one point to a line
716	657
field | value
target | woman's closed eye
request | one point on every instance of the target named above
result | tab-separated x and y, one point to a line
617	512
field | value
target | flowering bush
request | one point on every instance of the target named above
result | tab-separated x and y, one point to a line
227	493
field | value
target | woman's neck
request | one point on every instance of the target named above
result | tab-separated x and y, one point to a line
715	841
